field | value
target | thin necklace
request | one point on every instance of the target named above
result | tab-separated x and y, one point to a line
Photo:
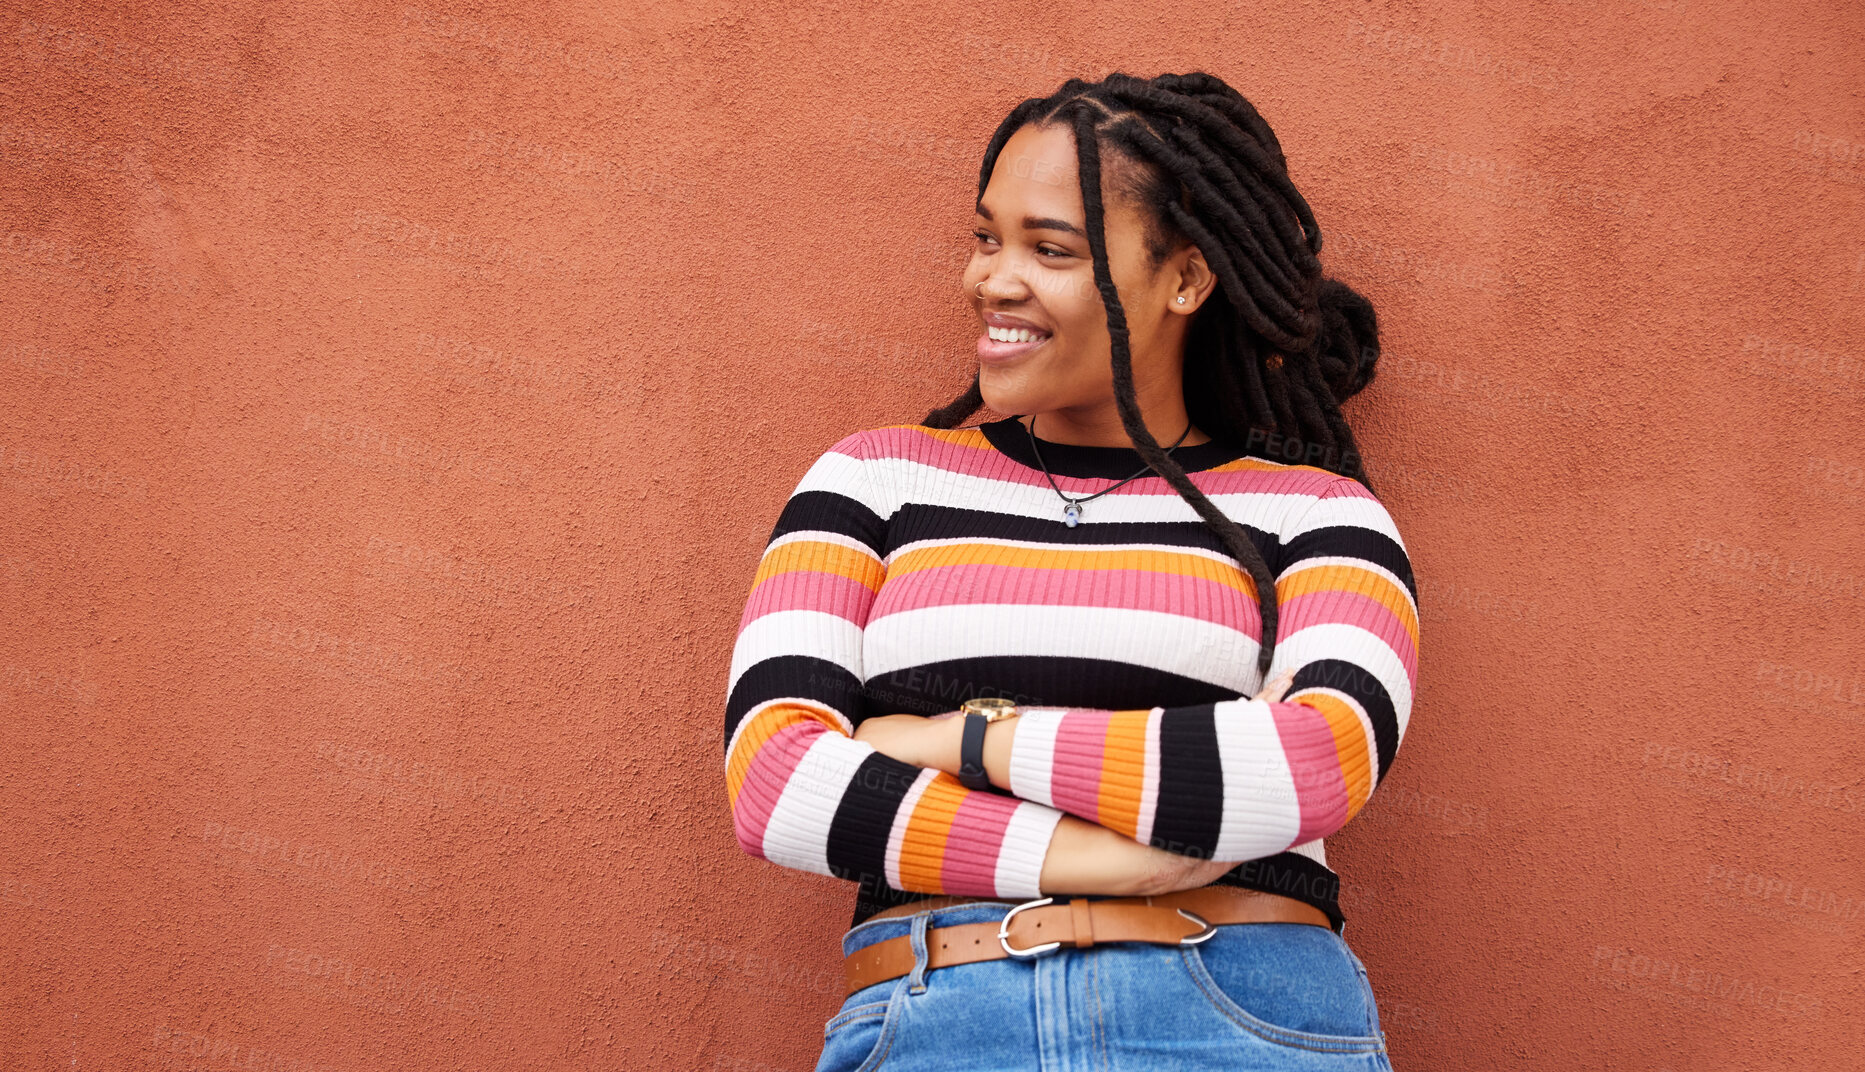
1072	512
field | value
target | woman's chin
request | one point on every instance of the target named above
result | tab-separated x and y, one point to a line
1011	390
1001	401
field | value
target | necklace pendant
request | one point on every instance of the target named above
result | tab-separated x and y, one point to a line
1072	514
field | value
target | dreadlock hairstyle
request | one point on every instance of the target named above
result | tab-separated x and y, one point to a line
1277	347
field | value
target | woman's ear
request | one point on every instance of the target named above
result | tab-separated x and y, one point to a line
1196	281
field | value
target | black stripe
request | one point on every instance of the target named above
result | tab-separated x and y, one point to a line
806	676
857	848
1035	681
1012	439
1190	806
829	511
1367	690
921	521
1292	875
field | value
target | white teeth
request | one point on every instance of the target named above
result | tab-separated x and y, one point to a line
1014	334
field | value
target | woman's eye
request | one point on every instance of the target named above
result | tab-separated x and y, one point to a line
983	237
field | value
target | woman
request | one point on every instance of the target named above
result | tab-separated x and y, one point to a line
1176	684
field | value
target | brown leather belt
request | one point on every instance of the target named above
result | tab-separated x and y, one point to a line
1045	924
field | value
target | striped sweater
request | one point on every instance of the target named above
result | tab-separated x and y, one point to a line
913	568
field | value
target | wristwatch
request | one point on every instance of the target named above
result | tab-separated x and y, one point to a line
979	713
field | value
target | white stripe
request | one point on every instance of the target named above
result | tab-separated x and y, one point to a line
798	832
1351	510
796	632
1026	844
845	475
1261	813
969	491
821	536
1174	643
1033	753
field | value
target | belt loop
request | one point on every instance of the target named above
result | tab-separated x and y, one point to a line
1082	920
917	981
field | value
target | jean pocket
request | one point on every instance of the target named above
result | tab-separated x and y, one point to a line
855	1038
1298	987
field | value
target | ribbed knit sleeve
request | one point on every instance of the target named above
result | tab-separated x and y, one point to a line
803	792
1242	779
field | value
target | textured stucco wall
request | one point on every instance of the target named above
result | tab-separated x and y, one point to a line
397	398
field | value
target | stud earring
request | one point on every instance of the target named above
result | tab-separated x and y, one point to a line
1181	299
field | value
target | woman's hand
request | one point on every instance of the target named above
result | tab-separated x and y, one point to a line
1187	873
1277	688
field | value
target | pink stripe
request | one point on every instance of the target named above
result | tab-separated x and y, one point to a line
1347	488
765	779
1314	761
982	819
1075	773
830	593
1202	598
1355	609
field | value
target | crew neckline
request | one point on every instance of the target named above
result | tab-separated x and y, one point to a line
1012	440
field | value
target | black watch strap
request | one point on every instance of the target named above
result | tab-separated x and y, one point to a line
971	754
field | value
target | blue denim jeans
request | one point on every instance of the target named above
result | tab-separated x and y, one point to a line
1251	996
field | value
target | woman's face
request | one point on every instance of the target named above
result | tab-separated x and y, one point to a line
1031	257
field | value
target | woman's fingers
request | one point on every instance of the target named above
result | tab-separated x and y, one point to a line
1194	872
1278	686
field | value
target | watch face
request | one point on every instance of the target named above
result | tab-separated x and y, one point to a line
991	707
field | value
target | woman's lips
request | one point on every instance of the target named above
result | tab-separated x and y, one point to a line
993	352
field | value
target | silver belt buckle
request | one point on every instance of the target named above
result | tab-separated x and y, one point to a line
1003	932
1193	939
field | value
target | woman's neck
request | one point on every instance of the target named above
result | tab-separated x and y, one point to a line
1058	426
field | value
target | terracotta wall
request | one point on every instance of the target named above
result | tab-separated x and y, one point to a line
397	398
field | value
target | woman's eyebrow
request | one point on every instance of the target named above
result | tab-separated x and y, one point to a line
1040	223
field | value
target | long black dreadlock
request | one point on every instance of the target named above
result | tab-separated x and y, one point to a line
1277	348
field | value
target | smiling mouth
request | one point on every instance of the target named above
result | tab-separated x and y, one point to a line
1003	344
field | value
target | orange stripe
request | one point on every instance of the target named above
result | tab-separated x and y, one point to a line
1265	465
757	730
964	437
1123	772
1343	578
1349	743
821	556
922	846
